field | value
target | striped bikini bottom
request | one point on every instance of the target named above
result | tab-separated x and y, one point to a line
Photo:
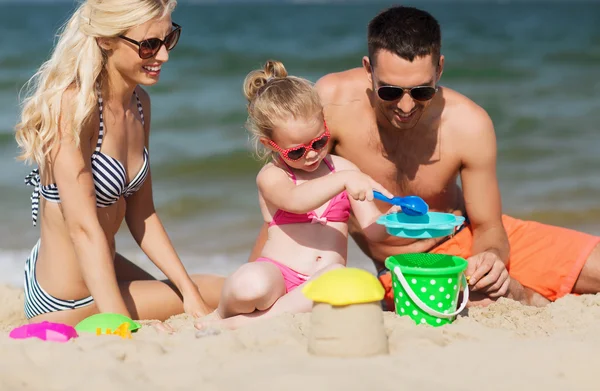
37	300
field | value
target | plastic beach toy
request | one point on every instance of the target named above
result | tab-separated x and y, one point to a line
427	286
430	225
411	205
344	286
121	331
46	331
105	321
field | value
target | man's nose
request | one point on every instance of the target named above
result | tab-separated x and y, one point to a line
406	103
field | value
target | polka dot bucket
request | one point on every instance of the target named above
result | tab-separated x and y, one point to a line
427	286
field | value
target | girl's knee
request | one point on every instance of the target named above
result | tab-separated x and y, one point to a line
251	283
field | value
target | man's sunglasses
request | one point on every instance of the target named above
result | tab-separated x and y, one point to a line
298	152
420	93
149	47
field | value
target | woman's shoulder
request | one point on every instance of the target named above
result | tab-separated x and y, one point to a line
67	110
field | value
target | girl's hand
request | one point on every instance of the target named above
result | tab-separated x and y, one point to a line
360	186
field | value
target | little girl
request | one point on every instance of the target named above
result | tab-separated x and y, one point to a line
305	196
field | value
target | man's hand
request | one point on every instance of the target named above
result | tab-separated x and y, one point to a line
487	274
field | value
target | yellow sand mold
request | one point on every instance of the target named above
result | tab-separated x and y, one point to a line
344	286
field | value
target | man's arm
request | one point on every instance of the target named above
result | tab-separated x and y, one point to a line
484	207
480	186
487	266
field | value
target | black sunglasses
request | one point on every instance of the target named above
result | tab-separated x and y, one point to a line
149	47
420	93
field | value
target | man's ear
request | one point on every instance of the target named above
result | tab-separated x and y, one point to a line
440	69
366	62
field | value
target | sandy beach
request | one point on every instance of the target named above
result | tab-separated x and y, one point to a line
503	347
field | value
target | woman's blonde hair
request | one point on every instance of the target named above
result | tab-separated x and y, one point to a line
274	96
78	61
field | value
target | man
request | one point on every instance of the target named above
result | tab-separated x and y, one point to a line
393	120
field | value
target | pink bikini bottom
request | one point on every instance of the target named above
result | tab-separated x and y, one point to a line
292	278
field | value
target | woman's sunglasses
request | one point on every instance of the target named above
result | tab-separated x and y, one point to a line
298	152
149	47
420	93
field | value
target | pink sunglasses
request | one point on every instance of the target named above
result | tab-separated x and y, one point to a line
299	151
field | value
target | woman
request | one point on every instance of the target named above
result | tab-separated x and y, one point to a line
86	125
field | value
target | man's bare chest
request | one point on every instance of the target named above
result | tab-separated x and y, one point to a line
417	166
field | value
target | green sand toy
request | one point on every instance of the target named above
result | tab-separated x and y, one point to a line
105	321
427	286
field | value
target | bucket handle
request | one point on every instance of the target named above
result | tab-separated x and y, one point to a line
424	306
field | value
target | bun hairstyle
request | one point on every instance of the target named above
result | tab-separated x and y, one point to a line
259	78
274	96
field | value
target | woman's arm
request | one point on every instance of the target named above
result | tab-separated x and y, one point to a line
147	229
71	168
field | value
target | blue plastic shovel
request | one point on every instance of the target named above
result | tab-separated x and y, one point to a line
411	205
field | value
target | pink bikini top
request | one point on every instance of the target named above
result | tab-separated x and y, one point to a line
338	209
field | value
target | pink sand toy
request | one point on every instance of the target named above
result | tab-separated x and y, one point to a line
46	331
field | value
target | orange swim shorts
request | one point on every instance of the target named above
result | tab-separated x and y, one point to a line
545	258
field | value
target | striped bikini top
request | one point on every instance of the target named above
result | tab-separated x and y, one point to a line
110	181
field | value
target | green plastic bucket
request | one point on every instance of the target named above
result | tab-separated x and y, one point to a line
427	286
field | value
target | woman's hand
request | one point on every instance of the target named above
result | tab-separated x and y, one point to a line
193	304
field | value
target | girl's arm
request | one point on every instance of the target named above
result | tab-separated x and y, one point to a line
72	172
277	189
149	233
366	213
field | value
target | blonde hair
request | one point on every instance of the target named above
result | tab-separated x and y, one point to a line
274	96
77	61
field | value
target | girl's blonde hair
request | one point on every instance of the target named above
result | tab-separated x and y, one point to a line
274	96
78	61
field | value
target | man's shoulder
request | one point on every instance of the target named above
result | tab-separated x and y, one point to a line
463	114
339	86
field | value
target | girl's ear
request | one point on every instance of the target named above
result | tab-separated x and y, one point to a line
265	142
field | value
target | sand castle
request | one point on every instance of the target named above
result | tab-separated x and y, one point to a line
346	319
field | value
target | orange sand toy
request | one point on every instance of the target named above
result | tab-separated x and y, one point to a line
122	331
